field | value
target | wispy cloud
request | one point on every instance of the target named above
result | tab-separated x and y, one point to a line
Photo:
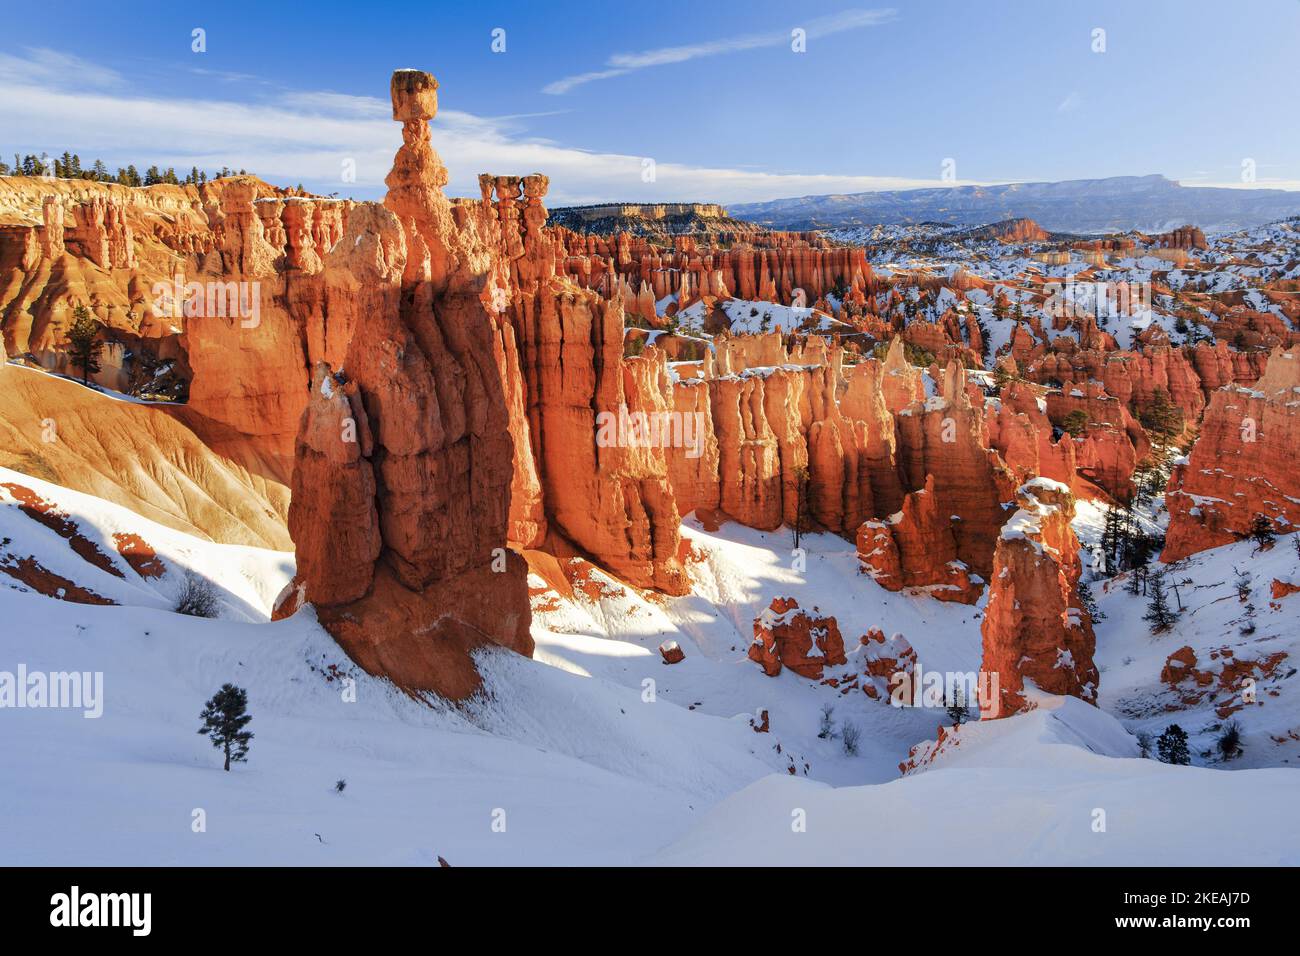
1070	103
621	64
51	68
227	76
304	136
343	104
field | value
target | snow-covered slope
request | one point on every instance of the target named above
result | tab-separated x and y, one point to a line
1061	784
595	752
94	538
1215	617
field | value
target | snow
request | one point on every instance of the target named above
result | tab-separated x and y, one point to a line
108	393
595	751
1024	790
746	316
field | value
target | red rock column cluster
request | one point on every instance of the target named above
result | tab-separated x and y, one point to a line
604	488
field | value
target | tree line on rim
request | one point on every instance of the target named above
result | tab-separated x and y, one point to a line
68	166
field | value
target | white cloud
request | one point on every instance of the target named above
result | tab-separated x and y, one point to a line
623	63
304	137
44	67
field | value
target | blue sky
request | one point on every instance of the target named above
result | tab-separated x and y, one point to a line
711	92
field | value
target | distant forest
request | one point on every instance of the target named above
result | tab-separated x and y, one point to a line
68	166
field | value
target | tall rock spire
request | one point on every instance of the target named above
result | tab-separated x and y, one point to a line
426	378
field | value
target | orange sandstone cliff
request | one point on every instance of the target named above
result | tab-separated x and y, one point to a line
1242	465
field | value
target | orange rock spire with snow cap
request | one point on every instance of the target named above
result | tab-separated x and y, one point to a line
1035	627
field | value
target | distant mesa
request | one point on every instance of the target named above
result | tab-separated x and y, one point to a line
651	219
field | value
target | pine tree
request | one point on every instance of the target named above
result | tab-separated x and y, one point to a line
1150	481
83	343
1001	378
1137	582
958	712
1138	546
1159	614
1162	418
1089	602
1261	529
224	720
986	345
801	502
1144	744
1111	539
1076	423
1172	746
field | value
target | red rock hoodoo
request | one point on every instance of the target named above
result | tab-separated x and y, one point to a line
1035	628
405	457
786	635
